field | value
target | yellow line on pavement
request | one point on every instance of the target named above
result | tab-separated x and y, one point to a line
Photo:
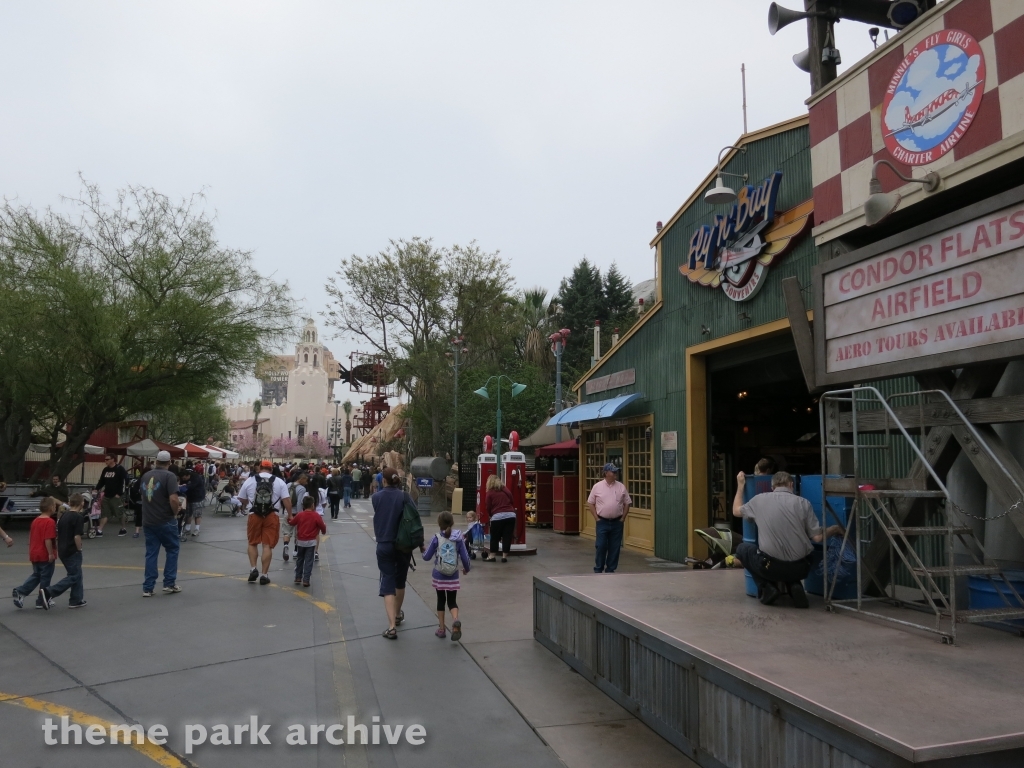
323	606
157	754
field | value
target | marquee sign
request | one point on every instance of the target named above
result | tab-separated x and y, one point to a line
945	294
933	97
736	249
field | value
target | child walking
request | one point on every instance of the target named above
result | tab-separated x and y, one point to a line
308	527
42	553
447	548
70	529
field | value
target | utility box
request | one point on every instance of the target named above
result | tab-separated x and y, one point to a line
457	501
432	499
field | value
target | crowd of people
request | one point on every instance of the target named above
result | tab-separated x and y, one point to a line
289	502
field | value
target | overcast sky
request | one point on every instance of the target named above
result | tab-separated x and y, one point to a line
546	130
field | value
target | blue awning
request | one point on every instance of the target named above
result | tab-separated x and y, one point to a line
602	409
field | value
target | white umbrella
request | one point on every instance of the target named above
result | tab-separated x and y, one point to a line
226	453
215	453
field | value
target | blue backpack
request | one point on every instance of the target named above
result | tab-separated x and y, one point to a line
447	558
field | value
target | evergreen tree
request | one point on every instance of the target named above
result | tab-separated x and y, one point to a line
618	303
581	301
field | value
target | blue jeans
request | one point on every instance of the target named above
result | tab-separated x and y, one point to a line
166	536
73	581
304	563
609	542
41	575
348	497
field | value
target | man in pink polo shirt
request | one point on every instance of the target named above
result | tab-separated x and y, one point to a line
609	503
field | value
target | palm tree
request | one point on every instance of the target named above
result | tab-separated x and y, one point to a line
536	311
257	407
347	408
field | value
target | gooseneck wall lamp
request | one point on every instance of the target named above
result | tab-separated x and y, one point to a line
721	194
879	204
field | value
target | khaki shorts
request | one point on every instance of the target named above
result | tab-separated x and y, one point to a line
263	530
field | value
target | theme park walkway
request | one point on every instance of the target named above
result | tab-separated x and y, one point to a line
223	651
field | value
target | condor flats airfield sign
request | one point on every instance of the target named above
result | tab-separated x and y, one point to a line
944	294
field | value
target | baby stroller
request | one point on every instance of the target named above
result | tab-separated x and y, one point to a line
722	543
92	520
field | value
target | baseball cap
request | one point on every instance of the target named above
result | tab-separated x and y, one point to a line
267	464
163	456
609	467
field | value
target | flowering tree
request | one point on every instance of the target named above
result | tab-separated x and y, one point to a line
284	446
252	446
316	447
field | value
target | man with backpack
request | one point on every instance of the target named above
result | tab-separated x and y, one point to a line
268	497
296	493
398	531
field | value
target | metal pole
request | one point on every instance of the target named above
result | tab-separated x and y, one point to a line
497	440
456	456
743	76
558	396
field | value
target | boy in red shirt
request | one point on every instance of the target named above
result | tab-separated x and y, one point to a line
308	525
42	552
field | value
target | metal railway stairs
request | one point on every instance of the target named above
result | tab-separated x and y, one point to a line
931	551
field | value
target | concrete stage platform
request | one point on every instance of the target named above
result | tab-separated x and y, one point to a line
733	683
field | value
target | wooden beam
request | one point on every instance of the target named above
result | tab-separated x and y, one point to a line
1007	486
802	337
985	410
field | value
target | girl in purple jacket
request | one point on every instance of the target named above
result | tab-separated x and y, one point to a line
448	550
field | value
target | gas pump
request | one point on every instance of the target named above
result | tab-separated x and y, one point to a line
513	466
486	465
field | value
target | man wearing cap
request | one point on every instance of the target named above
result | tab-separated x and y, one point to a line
609	504
160	524
264	525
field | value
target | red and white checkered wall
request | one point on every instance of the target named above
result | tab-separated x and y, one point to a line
846	125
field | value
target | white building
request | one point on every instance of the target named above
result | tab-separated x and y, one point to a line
298	393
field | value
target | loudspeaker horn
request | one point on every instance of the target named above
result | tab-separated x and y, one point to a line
779	17
803	60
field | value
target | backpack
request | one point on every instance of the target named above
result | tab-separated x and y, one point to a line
263	499
410	528
447	559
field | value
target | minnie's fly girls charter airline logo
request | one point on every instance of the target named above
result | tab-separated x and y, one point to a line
933	97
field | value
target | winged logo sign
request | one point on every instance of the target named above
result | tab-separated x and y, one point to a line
734	252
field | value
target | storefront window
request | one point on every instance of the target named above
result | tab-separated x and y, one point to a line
594	451
639	473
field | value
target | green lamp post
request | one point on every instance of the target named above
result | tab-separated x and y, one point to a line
516	389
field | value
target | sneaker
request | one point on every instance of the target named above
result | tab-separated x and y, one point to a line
19	599
172	590
298	581
122	532
285	554
195	533
441	632
456	630
147	593
316	557
264	580
135	535
796	591
99	533
44	596
253	575
77	605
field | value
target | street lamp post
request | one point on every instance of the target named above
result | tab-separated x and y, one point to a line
516	389
558	340
336	430
458	348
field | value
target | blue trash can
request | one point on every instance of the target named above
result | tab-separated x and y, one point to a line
983	592
755	484
810	489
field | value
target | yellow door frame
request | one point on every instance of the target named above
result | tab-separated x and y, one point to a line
697	459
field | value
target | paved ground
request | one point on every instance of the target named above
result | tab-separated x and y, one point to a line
224	651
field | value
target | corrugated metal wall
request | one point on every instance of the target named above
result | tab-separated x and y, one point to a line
701	709
656	351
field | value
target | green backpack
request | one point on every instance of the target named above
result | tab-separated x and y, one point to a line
410	528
